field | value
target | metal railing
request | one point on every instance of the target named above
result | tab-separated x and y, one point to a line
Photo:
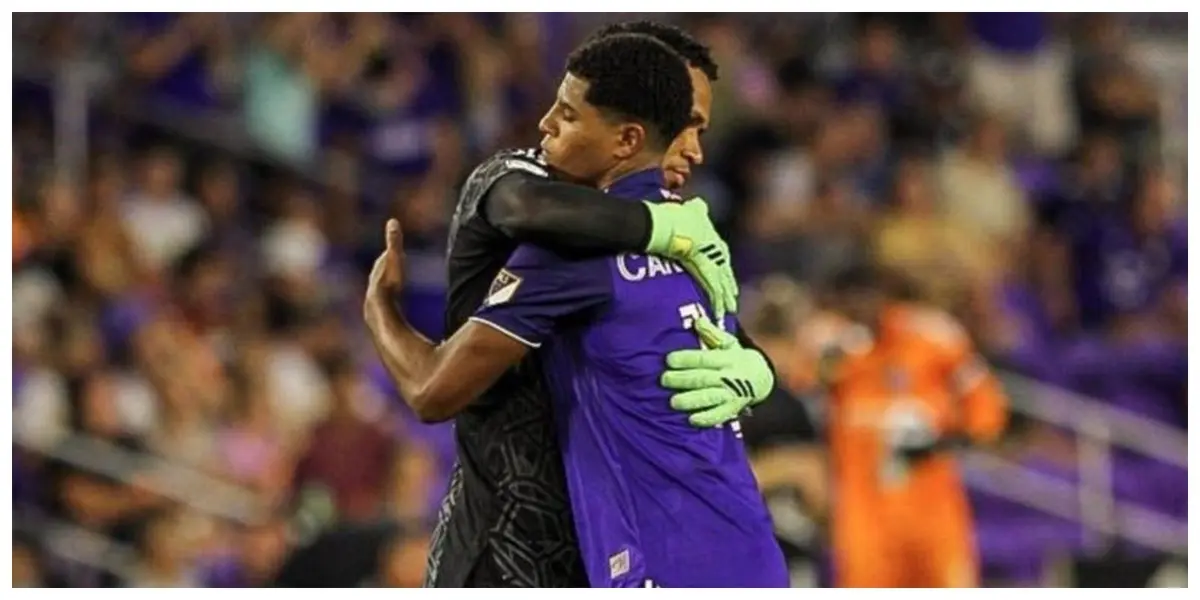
189	487
78	545
1091	502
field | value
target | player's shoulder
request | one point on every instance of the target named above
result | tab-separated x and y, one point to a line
485	175
535	256
931	325
503	162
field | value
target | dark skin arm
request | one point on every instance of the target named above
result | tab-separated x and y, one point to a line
564	216
436	381
525	207
439	381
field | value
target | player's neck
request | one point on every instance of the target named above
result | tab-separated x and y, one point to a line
638	163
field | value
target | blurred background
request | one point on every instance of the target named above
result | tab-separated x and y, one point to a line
198	198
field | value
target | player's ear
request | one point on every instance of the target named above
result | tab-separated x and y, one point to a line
631	140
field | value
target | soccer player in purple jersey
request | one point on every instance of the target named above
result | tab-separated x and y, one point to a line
655	500
505	519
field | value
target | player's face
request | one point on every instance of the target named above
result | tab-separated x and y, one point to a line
577	139
686	151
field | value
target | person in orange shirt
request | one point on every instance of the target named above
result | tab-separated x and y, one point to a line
904	388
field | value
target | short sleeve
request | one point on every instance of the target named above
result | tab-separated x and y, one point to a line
538	290
966	368
481	180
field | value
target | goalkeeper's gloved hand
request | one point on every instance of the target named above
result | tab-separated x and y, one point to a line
683	232
717	383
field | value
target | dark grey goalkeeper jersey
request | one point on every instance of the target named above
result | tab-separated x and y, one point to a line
506	519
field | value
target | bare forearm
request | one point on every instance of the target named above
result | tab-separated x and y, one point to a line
438	382
410	358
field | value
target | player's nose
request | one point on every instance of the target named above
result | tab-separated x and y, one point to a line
694	154
544	126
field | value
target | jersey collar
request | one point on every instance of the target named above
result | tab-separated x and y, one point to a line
640	185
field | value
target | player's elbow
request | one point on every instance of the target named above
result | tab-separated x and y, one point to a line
430	414
432	407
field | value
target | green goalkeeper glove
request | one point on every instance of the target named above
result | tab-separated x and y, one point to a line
717	383
683	232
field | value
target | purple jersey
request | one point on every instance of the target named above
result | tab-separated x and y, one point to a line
656	501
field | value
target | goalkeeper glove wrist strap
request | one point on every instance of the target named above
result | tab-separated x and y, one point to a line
660	235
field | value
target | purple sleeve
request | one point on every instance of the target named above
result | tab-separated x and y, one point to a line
537	290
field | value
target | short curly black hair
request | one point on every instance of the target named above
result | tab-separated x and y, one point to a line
639	78
692	50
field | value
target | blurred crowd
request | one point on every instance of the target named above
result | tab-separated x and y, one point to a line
190	288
